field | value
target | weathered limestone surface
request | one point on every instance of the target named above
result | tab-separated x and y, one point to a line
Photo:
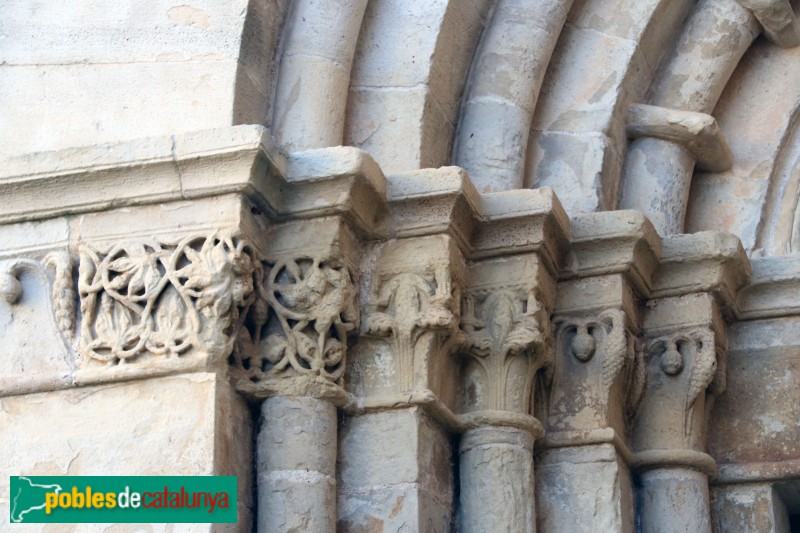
296	465
408	351
496	468
755	507
581	488
191	424
394	473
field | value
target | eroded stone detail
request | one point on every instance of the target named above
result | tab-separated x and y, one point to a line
299	324
592	355
61	292
609	329
407	306
64	298
504	345
693	351
158	299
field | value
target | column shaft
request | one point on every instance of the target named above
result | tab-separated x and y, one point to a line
675	500
296	461
497	489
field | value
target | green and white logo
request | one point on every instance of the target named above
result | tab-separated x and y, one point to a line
122	499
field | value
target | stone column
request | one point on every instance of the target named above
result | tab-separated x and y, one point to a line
296	464
684	363
504	323
395	452
291	353
583	463
496	473
674	499
661	161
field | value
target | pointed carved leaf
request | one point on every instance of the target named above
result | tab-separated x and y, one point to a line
703	368
615	347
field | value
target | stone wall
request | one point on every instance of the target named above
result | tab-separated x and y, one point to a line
589	324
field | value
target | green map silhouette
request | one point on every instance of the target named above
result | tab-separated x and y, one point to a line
27	497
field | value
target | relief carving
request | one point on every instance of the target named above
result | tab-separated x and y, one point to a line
504	346
158	299
407	306
299	323
37	304
592	355
580	338
696	350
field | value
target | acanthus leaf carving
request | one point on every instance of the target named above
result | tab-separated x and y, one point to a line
504	337
405	307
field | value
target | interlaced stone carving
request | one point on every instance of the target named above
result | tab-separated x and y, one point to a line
407	306
159	299
299	324
503	338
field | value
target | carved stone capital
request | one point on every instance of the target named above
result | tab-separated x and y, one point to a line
504	325
410	320
293	339
684	371
595	377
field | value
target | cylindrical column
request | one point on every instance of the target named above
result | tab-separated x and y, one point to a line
497	489
675	500
296	461
660	186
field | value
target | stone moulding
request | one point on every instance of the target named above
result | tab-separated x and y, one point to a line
329	256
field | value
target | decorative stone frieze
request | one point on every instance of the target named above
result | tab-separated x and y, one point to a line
145	300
